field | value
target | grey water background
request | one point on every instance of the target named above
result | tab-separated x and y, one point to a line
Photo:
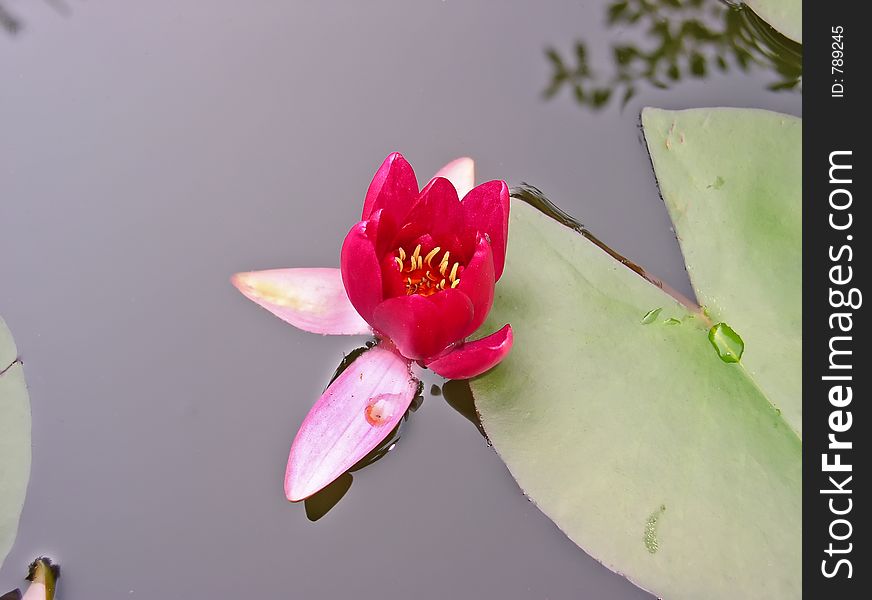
149	150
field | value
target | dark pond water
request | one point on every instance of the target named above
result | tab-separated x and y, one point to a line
149	150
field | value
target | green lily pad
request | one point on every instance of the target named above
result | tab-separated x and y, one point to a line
657	457
783	15
741	240
14	440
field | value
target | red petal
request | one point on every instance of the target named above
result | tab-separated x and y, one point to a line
474	358
353	415
311	299
394	188
477	282
487	211
360	269
437	213
421	326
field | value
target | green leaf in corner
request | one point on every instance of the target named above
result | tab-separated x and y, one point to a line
14	440
615	413
783	15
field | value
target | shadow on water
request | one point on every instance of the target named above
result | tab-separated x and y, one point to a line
458	395
688	39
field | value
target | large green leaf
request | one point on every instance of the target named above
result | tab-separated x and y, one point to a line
14	440
649	451
783	15
731	181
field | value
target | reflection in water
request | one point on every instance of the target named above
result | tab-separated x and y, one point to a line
11	24
689	38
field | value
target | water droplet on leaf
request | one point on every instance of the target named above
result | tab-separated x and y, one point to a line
651	316
379	410
672	321
727	342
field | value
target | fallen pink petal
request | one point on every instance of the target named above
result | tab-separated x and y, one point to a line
353	415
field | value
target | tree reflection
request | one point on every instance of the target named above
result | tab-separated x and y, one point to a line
689	38
12	24
8	21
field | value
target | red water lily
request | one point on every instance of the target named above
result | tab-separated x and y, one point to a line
418	271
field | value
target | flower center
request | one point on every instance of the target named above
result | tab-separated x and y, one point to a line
423	275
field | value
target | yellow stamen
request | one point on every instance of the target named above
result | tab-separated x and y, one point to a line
423	277
431	255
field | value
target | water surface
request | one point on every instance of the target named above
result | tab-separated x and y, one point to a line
150	150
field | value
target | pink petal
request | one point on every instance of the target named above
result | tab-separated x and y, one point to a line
474	358
361	273
353	415
36	591
394	188
311	299
461	173
477	282
487	211
424	326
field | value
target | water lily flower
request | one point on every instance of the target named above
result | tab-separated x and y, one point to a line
417	271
